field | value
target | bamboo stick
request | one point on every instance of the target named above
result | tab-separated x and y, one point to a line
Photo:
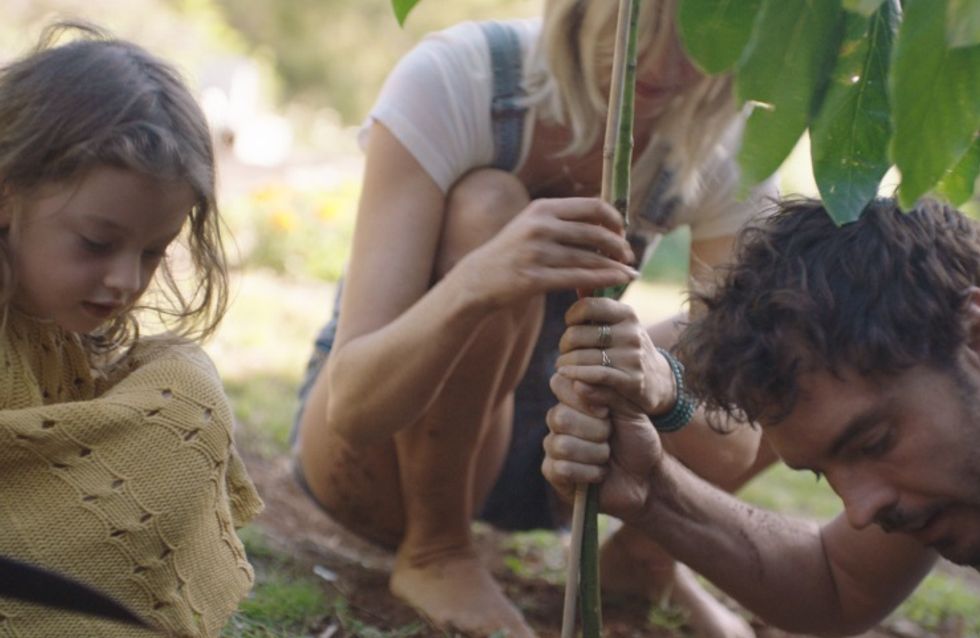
574	562
583	564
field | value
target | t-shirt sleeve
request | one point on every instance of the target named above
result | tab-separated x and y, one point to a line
436	102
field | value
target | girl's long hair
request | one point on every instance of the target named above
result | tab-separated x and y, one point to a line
100	101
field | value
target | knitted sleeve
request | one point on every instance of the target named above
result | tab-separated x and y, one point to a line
196	365
136	491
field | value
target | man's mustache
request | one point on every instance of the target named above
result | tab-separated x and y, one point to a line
897	520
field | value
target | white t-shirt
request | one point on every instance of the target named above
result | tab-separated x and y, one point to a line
437	103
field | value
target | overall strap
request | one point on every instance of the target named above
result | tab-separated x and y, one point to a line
506	110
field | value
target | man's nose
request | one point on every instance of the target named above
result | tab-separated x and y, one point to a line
867	499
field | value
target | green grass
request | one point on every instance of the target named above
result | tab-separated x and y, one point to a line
799	493
353	626
282	602
536	554
286	602
269	400
667	616
943	605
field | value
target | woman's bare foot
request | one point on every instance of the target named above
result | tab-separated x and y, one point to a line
458	593
632	564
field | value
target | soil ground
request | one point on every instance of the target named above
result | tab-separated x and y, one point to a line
293	523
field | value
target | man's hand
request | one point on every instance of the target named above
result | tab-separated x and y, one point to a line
589	443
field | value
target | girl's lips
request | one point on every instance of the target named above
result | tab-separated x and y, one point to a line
100	310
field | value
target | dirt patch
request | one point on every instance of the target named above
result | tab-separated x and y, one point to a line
293	523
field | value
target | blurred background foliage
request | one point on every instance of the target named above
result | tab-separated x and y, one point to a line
285	84
337	52
320	53
290	165
293	79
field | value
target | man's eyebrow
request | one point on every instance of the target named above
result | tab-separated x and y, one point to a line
858	425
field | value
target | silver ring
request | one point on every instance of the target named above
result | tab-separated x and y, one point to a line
605	359
605	336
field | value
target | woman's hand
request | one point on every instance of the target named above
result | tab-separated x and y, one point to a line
552	244
605	347
590	443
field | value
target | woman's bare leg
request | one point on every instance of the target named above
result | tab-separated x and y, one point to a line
420	491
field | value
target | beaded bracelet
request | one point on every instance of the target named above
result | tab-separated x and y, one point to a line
683	410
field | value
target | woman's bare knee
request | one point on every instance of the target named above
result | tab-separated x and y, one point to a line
719	458
481	203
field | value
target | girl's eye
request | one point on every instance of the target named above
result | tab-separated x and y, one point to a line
94	246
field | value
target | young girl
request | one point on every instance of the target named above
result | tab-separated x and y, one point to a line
117	466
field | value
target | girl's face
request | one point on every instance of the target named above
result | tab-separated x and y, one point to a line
86	250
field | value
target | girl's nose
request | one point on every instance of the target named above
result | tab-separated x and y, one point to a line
124	275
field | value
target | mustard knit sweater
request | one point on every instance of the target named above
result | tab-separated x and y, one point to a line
130	483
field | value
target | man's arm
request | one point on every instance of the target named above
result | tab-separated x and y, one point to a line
796	575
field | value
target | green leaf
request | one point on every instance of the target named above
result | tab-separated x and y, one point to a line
935	98
786	63
402	9
715	32
958	184
849	135
864	7
963	23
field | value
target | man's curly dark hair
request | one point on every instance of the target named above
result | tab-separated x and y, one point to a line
878	295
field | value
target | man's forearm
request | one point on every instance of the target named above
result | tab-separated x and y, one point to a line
775	566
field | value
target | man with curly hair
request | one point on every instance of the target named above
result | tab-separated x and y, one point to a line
857	350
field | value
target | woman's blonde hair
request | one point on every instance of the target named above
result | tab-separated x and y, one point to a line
575	51
100	101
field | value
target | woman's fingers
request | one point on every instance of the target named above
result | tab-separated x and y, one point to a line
581	397
569	419
605	346
554	244
592	238
584	223
566	475
558	256
581	209
599	386
576	448
598	311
